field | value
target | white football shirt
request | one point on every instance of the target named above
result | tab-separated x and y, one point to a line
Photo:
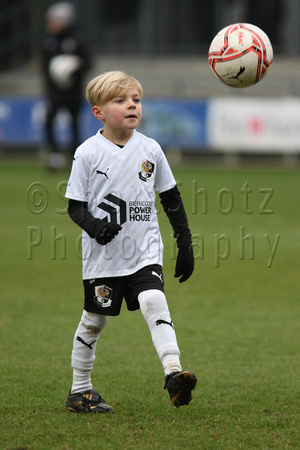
120	185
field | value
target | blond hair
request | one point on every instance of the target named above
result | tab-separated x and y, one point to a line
109	85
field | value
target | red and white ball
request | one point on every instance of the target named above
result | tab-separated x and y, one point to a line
240	55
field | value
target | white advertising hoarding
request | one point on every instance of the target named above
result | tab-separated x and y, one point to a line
254	124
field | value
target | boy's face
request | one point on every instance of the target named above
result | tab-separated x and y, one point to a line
121	115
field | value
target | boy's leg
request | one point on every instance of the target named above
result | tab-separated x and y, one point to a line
82	398
154	307
179	383
84	348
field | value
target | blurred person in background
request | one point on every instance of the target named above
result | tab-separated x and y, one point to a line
66	59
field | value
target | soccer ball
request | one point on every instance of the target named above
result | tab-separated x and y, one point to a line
240	55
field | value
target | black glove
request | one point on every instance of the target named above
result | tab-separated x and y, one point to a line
106	231
185	263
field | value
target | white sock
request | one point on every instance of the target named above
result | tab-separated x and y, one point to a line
81	381
84	348
155	310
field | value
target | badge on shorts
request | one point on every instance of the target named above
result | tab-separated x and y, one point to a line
103	296
146	171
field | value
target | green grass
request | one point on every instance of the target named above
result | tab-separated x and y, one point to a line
237	321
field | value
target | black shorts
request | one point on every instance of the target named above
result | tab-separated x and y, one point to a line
105	295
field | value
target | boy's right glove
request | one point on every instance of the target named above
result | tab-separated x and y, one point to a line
106	231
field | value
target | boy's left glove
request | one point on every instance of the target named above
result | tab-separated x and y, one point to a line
185	263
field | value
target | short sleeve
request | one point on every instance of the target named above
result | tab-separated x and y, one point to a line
78	184
164	177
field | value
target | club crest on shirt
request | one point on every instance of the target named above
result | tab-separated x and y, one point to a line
146	171
103	296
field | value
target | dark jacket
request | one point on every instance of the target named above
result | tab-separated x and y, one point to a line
69	42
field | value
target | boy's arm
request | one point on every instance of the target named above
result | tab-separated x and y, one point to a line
174	209
102	231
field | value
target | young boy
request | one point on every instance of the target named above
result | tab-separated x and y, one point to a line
111	191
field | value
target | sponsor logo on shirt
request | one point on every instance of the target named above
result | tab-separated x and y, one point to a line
140	210
113	206
115	209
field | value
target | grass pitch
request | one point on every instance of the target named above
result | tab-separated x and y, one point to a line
237	320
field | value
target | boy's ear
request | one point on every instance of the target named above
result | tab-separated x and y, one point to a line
97	112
